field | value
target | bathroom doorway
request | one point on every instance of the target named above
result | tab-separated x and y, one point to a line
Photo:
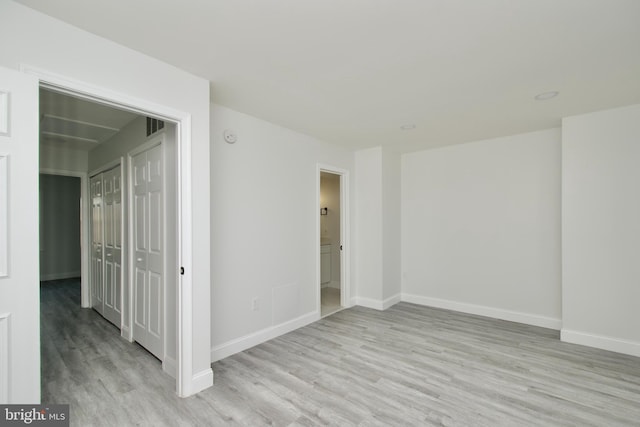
330	243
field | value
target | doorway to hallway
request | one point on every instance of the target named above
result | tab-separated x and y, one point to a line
92	140
60	229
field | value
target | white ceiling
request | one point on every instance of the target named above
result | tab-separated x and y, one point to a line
353	72
77	124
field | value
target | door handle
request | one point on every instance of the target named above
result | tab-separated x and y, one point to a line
139	259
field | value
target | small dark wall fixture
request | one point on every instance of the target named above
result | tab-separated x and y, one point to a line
324	211
154	125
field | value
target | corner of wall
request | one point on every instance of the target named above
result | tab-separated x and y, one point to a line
377	304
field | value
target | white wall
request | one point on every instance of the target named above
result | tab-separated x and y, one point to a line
59	227
265	239
39	41
62	159
378	227
368	228
601	229
131	136
391	226
481	228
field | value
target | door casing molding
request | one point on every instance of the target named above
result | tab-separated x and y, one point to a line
187	381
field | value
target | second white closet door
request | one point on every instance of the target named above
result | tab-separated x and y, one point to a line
148	256
97	244
113	245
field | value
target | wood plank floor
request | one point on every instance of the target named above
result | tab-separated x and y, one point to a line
329	301
409	365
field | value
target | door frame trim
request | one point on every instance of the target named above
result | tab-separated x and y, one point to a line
85	292
187	380
345	234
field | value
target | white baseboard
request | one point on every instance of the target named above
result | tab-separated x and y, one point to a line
368	303
617	345
59	276
170	366
240	344
202	380
391	301
378	304
481	310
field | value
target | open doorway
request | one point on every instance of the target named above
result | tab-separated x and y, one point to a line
333	233
60	249
164	100
94	143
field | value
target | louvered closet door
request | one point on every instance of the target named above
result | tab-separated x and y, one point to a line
97	244
147	175
112	183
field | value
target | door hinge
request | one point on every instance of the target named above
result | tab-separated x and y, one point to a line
340	247
182	271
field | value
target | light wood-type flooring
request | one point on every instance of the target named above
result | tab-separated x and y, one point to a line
408	365
329	301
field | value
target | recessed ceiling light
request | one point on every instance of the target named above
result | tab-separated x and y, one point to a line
409	126
546	95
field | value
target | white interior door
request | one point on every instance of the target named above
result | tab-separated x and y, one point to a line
148	249
112	184
19	271
97	244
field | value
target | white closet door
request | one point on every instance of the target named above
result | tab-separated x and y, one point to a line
97	244
147	220
112	183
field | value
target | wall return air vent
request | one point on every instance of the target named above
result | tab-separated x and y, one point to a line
154	125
